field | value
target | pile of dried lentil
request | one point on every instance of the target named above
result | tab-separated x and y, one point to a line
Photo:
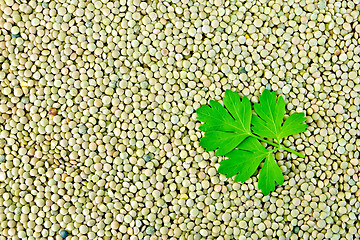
98	133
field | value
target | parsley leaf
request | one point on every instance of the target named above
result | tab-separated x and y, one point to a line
243	162
270	114
293	125
269	174
225	130
235	132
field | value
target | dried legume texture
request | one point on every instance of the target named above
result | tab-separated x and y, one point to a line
98	134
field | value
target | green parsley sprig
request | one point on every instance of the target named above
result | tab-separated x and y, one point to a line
235	132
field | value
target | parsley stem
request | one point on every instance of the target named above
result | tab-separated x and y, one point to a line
279	146
292	151
266	141
274	150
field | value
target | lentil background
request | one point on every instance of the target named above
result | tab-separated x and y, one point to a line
98	130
